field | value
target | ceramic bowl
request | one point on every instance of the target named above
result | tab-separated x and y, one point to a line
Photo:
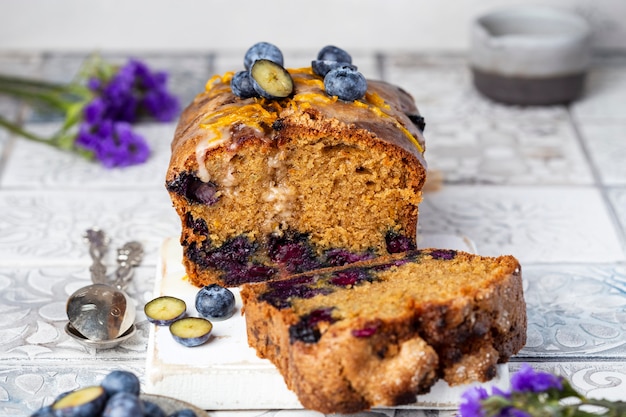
530	55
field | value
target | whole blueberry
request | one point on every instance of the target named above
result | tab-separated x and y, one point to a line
262	50
322	67
333	53
123	404
121	381
345	83
215	302
151	409
241	85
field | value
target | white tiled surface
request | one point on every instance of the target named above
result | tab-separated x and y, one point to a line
420	25
547	185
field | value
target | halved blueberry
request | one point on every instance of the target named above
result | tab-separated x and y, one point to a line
271	80
164	310
83	402
191	331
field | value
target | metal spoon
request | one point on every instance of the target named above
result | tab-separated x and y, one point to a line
103	311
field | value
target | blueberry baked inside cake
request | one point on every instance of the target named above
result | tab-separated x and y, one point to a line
278	171
380	332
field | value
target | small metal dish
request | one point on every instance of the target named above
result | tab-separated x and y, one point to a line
99	344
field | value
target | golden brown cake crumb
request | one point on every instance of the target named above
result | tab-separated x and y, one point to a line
380	332
266	188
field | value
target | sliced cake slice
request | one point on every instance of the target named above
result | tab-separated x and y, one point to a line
380	332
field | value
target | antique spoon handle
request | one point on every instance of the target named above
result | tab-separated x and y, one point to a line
98	244
128	256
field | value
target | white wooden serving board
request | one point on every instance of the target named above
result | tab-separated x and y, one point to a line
225	373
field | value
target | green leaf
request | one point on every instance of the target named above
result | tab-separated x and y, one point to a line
73	115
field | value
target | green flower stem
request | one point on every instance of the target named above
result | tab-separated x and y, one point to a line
60	97
14	128
38	84
54	99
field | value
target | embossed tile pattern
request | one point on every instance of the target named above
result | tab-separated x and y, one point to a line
487	150
575	311
514	180
45	227
33	165
32	306
536	224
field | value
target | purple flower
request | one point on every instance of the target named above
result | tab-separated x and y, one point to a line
161	105
114	144
94	111
133	92
471	402
102	109
528	380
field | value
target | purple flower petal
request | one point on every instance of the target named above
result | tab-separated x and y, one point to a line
94	110
471	402
529	380
114	144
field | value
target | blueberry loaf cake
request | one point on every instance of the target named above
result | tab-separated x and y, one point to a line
380	332
275	172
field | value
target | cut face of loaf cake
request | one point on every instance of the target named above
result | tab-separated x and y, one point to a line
380	332
266	188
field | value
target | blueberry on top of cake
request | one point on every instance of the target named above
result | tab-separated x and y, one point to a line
277	171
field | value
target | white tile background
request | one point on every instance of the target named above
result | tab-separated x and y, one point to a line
201	25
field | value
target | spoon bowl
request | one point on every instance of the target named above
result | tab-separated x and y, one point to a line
105	344
100	312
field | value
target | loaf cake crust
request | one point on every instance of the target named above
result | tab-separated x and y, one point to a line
378	333
266	188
